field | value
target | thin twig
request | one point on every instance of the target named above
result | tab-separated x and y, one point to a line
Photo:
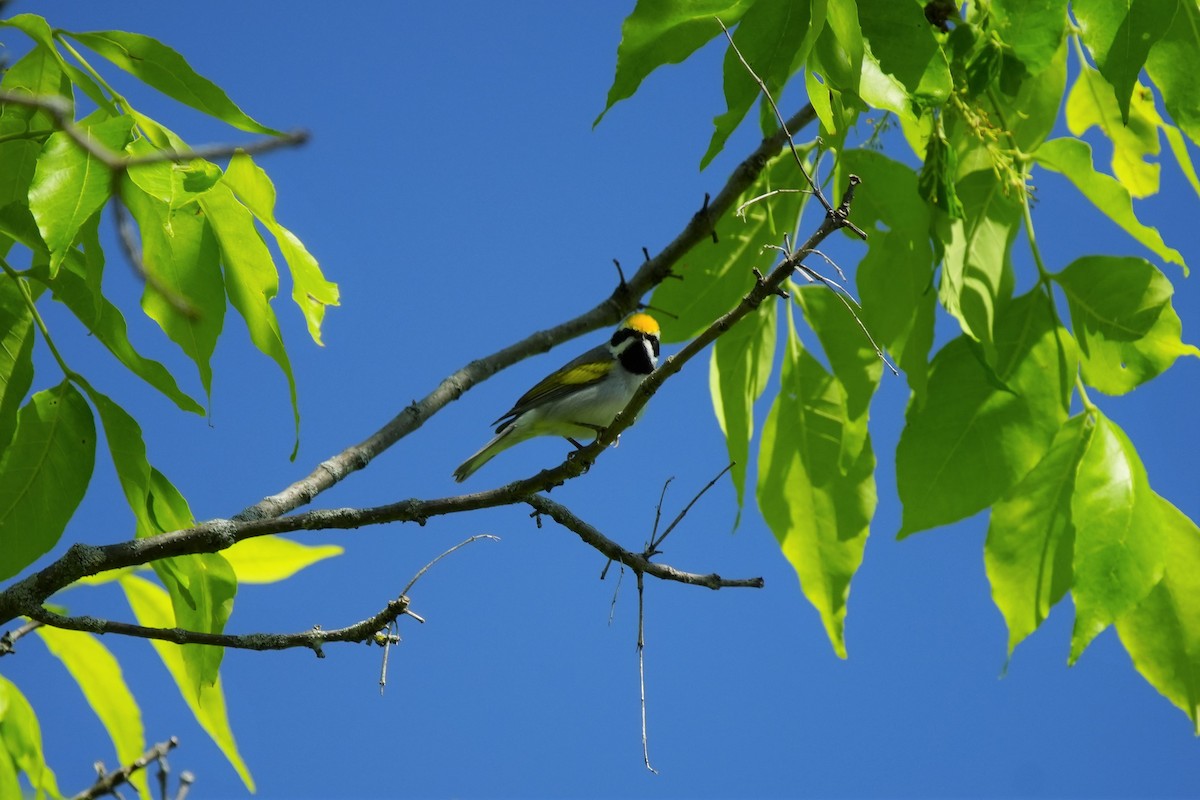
641	651
108	783
9	638
652	549
463	543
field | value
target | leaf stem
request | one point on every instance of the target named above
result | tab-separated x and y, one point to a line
1088	405
24	289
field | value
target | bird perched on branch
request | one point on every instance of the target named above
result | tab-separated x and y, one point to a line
581	397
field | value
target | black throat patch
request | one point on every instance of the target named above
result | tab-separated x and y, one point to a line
634	351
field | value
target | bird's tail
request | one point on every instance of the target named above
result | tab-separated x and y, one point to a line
499	443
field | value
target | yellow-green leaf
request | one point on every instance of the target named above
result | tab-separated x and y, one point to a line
1092	103
99	677
21	744
267	559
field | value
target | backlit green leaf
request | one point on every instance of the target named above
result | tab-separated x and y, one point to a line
1033	29
1120	35
1031	537
70	184
310	291
164	69
772	36
251	280
1119	539
152	607
1133	138
39	30
1162	634
99	677
895	276
1123	320
662	32
180	249
915	59
16	355
973	440
37	74
1171	65
268	559
202	588
43	474
1073	158
737	376
819	513
21	744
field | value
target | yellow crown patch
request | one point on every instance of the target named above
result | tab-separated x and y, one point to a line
643	323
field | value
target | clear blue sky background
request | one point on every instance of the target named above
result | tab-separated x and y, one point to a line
456	191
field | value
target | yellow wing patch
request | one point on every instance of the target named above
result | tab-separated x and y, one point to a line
585	373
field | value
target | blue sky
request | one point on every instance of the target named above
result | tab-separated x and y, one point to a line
456	191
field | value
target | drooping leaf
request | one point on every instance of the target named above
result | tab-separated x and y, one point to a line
43	474
1031	536
1133	137
152	607
70	184
269	559
1120	36
37	74
819	513
1073	159
915	59
973	440
662	32
251	280
21	744
715	276
894	278
16	355
99	677
1033	29
772	36
1119	539
1162	634
159	66
1124	323
39	30
1171	66
180	250
737	376
202	588
310	291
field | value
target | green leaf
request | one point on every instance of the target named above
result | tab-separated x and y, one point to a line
21	739
1073	158
152	607
310	291
37	74
16	354
1031	537
1134	136
70	184
251	280
39	30
662	32
73	286
977	256
176	184
99	677
1120	35
1033	29
1119	540
1171	66
1032	114
851	357
202	588
737	376
164	69
895	276
1162	634
268	559
820	514
715	276
44	474
772	36
973	440
1126	328
915	58
180	249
